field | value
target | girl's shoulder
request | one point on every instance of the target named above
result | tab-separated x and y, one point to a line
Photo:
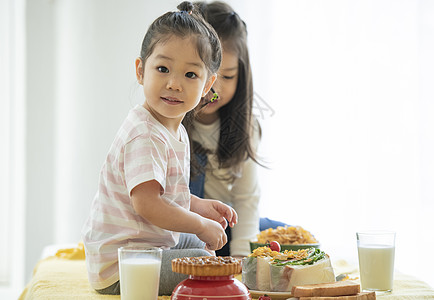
183	134
140	123
255	132
144	125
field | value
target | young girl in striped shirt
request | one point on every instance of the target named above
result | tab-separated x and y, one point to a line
143	196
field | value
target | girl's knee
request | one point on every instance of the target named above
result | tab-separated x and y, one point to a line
168	279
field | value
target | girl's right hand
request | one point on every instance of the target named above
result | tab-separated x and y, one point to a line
212	233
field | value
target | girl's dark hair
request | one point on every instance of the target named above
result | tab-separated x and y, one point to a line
236	122
184	23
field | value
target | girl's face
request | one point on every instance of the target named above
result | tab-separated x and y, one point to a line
225	86
174	79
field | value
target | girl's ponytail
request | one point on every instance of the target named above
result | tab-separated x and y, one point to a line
186	6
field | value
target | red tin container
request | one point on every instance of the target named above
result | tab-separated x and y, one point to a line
211	287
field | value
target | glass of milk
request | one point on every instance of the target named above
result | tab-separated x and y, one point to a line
139	272
376	260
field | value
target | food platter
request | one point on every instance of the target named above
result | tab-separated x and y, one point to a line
273	295
291	238
282	258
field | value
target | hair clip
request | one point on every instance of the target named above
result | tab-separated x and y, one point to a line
189	12
215	96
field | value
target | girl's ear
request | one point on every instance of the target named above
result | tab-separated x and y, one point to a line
139	70
209	84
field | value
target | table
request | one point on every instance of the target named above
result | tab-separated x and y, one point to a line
64	276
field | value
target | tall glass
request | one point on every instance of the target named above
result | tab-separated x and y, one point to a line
376	260
139	270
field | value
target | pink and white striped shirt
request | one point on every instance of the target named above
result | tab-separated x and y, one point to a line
142	150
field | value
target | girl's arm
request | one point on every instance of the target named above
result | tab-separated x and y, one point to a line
215	210
245	195
245	198
149	204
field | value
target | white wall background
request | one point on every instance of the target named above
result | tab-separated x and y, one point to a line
349	137
352	139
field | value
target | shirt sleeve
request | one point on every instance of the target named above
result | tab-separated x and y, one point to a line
245	200
145	159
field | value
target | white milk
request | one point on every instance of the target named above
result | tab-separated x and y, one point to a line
376	267
140	278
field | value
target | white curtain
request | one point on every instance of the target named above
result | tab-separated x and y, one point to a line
346	98
12	149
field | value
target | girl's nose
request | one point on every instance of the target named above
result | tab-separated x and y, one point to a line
174	84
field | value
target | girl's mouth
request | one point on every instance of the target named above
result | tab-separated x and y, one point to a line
171	100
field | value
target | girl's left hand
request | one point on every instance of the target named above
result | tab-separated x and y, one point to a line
215	210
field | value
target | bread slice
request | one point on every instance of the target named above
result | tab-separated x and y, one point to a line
358	296
263	273
340	288
283	278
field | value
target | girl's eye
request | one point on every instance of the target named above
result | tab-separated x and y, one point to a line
190	75
228	77
163	69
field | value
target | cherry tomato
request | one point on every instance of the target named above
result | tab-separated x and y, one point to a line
264	297
275	246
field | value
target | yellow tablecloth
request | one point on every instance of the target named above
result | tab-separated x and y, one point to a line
405	287
64	276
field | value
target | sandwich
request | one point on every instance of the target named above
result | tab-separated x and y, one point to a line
268	270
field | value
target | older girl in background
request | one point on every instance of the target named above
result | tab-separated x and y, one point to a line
225	135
